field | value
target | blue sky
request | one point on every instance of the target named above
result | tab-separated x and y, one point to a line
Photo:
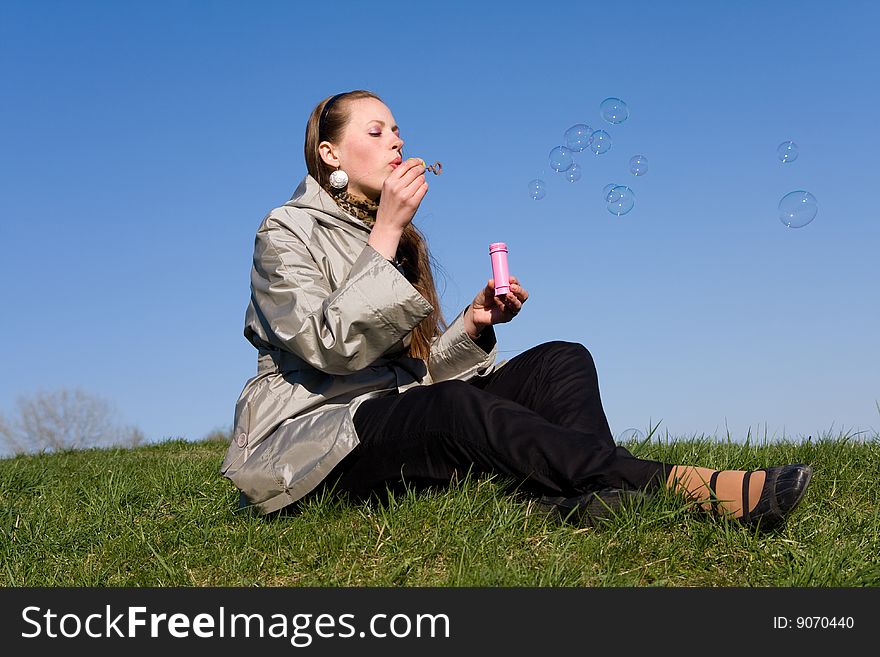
141	144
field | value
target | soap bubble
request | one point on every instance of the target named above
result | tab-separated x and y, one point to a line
787	151
797	209
628	435
574	172
578	137
614	110
620	200
537	189
560	158
638	165
607	189
600	142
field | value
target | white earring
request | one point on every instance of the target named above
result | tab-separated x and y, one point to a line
338	179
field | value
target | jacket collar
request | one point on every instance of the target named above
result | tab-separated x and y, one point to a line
309	195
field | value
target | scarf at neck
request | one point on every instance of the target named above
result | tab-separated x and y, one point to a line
357	206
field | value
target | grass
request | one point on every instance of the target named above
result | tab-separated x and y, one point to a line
161	515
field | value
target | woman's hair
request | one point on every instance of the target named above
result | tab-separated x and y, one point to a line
413	248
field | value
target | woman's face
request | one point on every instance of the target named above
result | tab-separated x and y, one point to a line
369	148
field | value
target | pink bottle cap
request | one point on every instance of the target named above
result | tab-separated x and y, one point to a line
497	246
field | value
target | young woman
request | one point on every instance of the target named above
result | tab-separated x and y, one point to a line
361	385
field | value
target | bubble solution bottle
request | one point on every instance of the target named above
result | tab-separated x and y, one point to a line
498	253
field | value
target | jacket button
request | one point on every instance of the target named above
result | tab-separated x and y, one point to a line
242	439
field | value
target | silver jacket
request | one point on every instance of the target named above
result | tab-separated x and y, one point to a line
330	318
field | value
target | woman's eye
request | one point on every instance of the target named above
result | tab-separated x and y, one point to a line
375	134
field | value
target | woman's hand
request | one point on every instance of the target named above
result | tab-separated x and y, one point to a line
402	193
488	309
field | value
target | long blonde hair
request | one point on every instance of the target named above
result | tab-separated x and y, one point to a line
413	248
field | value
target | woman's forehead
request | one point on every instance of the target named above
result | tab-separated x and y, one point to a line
365	110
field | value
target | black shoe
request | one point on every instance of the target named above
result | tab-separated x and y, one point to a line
588	509
783	490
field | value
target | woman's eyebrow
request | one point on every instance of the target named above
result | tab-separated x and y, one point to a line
394	128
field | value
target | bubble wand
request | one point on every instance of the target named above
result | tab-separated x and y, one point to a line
435	168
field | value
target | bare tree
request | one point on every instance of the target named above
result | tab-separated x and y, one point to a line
65	419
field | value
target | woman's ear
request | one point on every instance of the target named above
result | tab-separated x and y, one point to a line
328	154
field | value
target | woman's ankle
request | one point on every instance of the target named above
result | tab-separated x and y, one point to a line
725	489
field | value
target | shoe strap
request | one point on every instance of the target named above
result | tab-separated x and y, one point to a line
745	498
713	496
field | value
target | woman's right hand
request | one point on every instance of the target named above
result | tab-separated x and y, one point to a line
402	193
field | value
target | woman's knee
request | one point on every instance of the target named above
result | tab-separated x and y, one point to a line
452	391
565	349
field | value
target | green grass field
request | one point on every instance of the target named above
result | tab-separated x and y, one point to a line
161	515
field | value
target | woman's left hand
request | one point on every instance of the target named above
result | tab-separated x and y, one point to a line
488	309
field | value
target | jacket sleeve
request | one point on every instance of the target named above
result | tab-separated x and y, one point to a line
454	355
338	331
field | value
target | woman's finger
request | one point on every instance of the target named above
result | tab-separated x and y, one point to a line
420	192
413	168
403	175
519	291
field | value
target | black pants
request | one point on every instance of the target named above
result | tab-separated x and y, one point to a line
538	420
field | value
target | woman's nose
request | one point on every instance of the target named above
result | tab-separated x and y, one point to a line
398	144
